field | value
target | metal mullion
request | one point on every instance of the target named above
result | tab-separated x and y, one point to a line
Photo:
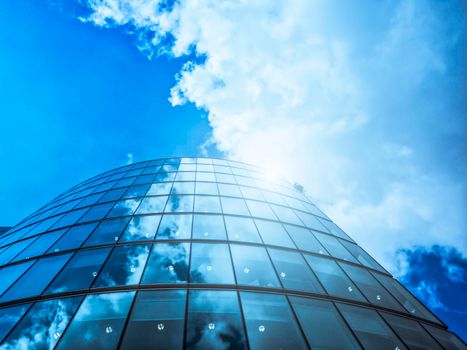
127	320
17	322
347	324
294	315
392	329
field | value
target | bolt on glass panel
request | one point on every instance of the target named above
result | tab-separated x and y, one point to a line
411	332
80	271
43	325
208	227
253	267
270	323
322	325
211	263
141	228
274	233
107	232
370	328
370	287
100	318
73	238
241	229
9	316
175	226
167	263
124	266
156	321
333	278
294	273
214	321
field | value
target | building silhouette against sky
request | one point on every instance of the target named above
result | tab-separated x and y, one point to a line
198	253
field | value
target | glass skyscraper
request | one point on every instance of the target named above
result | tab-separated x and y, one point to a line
198	253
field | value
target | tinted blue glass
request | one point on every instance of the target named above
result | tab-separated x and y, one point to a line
80	271
136	191
179	203
447	339
141	228
69	218
241	229
207	204
208	227
37	278
207	188
363	257
310	221
73	238
102	327
183	188
90	200
261	210
305	240
108	231
174	227
158	189
152	205
156	321
210	263
369	328
9	316
10	274
11	251
274	233
270	323
286	214
234	206
124	208
334	247
253	267
168	263
124	266
43	325
294	272
40	245
96	212
322	325
214	321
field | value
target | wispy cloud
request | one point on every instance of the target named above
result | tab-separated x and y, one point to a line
360	103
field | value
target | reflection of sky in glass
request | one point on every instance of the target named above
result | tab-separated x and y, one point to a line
175	227
152	205
159	188
141	228
43	325
168	263
210	263
214	321
179	203
241	229
208	227
124	208
124	266
9	316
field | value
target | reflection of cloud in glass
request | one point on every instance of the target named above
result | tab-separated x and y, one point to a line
43	325
152	205
126	207
135	264
179	203
175	227
168	263
141	227
159	188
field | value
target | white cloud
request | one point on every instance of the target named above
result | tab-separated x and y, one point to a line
341	97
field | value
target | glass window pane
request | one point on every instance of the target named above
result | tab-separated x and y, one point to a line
157	321
124	266
274	233
229	190
334	229
141	228
9	316
334	247
210	263
207	188
333	278
10	274
411	333
152	205
160	188
407	300
73	238
136	191
310	221
227	178
208	227
186	176
112	195
241	229
36	279
164	176
251	192
205	177
447	339
40	245
363	257
270	323
261	210
97	212
107	232
43	325
214	321
13	250
207	204
102	326
305	240
124	208
177	203
294	272
80	271
369	328
69	218
168	263
234	206
183	188
322	325
175	227
371	288
253	267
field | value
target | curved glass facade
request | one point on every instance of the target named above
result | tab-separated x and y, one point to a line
198	253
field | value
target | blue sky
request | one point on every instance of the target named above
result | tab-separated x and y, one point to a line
364	104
